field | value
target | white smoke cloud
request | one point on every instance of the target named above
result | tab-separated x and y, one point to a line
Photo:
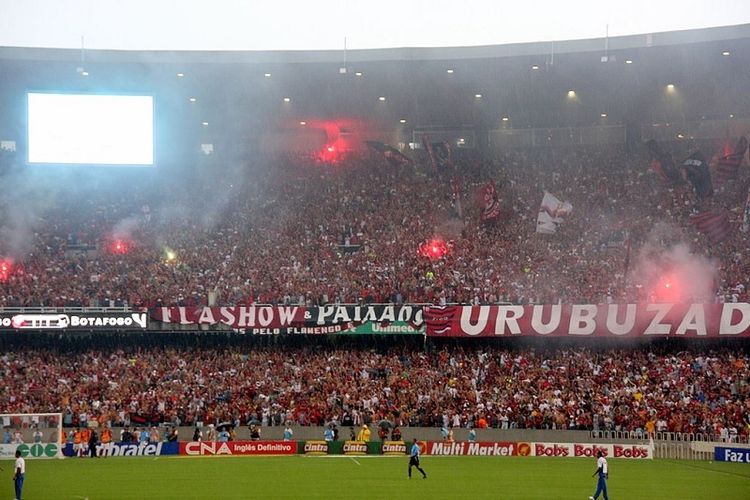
22	208
124	229
669	271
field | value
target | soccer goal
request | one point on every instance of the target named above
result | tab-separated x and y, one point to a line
36	435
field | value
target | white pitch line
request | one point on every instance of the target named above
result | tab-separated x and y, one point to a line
355	461
358	456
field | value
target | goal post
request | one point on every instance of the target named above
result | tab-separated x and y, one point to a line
35	435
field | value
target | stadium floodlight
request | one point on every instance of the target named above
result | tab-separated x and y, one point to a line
267	75
725	53
402	120
205	124
628	61
670	87
193	99
535	67
449	71
603	115
358	73
571	94
303	123
180	75
381	98
287	99
477	96
505	118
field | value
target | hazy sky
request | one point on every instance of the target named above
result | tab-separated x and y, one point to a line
323	24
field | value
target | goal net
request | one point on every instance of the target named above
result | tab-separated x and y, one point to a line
35	435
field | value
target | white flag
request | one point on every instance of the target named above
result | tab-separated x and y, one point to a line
551	213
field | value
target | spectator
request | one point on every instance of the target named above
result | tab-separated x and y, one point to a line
364	433
288	433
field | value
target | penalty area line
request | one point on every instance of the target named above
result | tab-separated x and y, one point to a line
355	461
707	469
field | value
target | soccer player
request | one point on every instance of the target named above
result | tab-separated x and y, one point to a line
414	459
20	469
602	470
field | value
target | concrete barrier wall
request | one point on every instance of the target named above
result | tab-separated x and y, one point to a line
422	433
663	449
408	433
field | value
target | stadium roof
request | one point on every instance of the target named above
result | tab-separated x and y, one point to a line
242	94
630	42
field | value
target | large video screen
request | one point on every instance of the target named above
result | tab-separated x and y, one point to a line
90	129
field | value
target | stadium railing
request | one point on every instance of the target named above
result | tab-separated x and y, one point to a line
686	437
683	451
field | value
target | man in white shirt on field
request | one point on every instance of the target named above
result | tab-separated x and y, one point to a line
603	471
20	472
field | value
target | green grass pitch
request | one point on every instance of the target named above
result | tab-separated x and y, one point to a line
372	477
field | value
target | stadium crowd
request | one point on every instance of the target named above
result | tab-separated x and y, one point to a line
634	390
289	229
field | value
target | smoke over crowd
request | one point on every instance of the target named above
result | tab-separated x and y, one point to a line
671	272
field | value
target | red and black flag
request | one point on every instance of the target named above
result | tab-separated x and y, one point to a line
393	155
490	203
662	163
714	224
443	154
728	165
697	173
440	153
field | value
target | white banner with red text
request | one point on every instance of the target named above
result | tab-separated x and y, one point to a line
587	450
730	320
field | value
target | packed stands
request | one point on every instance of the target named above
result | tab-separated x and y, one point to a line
291	229
658	390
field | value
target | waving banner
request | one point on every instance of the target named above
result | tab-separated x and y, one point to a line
552	212
491	208
271	320
590	320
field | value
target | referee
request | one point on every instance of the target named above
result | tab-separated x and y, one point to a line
414	459
603	471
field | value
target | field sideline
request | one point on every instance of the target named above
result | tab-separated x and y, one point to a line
372	477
